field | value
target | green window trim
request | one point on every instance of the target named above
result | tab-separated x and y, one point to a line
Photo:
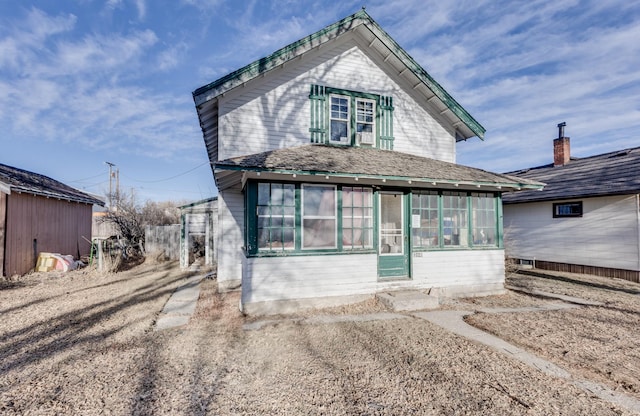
466	222
365	211
361	131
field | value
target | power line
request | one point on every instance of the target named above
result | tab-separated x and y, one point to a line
169	178
85	179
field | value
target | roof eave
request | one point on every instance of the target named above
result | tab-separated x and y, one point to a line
5	188
459	111
295	49
463	184
277	58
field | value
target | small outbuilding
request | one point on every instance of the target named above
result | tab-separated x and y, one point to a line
199	222
39	214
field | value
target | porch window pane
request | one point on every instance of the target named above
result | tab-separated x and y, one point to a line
425	221
319	216
484	219
455	232
357	221
276	217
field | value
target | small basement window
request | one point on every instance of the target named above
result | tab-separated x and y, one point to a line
567	209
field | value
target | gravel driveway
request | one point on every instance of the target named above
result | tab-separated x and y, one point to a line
81	343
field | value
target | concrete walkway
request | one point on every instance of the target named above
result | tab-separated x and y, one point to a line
454	321
181	305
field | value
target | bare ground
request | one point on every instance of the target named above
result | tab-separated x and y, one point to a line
83	344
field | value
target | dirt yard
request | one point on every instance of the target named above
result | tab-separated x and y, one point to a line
84	344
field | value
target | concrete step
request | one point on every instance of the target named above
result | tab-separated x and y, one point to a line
408	300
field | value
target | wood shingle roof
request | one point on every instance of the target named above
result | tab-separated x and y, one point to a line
614	173
22	181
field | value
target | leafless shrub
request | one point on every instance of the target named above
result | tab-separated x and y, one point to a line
130	218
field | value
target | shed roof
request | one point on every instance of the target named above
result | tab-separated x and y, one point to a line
614	173
375	37
20	180
374	163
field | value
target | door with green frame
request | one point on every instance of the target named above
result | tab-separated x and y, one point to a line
393	236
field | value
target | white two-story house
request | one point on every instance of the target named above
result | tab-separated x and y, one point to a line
334	159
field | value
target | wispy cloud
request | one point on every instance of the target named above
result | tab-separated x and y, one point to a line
522	67
87	90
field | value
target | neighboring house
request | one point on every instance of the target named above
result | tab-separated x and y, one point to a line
39	214
334	158
198	230
587	218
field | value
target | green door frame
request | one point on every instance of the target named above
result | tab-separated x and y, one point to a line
393	243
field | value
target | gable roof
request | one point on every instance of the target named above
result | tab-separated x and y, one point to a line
22	181
375	37
347	161
614	173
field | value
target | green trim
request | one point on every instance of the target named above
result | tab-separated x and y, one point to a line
379	177
500	235
251	234
334	30
280	56
320	115
385	122
318	128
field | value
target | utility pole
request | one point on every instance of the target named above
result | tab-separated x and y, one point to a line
111	165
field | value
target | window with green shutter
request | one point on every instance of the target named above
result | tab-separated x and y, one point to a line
350	118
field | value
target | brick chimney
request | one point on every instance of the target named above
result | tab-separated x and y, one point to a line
561	148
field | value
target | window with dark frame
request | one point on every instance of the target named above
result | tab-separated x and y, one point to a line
567	209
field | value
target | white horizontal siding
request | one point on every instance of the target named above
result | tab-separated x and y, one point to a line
230	236
302	277
273	112
605	236
459	268
305	277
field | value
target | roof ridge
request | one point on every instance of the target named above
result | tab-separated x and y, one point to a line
34	183
290	51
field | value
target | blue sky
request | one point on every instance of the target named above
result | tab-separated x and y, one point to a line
89	81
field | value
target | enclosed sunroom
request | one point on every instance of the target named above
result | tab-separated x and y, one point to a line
326	223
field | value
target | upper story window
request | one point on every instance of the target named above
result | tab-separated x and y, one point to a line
365	121
350	118
339	120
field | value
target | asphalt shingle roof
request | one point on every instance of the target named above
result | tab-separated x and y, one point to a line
345	160
20	180
614	173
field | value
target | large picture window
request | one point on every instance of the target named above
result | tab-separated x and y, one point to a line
276	216
319	225
357	218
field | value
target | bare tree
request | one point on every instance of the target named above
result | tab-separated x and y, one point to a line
130	219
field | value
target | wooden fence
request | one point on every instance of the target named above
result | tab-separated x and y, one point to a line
163	238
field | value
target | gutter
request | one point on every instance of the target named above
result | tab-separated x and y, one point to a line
409	180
